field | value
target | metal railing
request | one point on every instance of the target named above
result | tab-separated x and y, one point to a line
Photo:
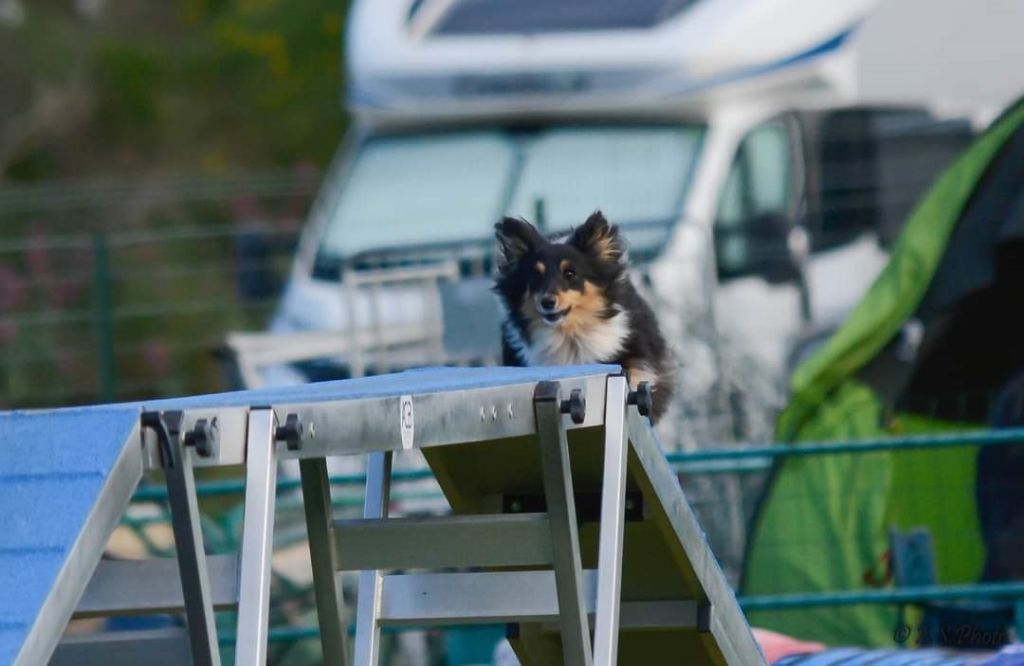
139	313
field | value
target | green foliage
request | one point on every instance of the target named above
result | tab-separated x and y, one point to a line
183	86
146	93
128	80
283	61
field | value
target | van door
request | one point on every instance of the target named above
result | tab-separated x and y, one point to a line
866	169
761	302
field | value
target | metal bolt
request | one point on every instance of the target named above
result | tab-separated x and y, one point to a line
204	437
575	406
290	432
516	506
494	412
483	414
510	415
642	398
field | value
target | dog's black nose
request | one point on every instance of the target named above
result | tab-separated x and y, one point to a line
548	302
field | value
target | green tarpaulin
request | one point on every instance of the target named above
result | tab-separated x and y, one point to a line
823	525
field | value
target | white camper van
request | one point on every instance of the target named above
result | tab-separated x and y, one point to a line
759	155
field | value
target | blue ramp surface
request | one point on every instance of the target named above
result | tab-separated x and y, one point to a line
53	465
410	382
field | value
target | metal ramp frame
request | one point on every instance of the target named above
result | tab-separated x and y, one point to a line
551	522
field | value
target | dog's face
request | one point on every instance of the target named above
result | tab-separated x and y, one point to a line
568	283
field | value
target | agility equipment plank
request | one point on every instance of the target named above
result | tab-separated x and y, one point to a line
66	477
549	457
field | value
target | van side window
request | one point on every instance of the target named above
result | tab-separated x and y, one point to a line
758	185
873	165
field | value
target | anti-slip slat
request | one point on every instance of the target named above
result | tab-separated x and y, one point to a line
138	587
450	541
510	596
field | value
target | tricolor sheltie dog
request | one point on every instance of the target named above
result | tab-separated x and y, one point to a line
569	300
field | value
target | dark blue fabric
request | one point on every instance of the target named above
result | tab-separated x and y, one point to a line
887	657
1011	655
1000	492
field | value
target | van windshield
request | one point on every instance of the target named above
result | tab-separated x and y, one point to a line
410	189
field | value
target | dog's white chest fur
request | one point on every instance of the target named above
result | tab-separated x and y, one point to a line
551	345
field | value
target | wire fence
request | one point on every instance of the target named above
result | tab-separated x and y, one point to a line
113	292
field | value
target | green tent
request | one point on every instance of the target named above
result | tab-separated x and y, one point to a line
935	338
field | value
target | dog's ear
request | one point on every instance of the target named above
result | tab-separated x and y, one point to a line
516	239
599	239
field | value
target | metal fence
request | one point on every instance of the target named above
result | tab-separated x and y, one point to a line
113	292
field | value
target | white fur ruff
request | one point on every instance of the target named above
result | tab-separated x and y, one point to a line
550	345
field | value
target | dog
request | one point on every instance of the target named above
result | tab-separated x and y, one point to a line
568	300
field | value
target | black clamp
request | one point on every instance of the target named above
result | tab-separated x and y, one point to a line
575	406
291	432
642	397
204	436
166	426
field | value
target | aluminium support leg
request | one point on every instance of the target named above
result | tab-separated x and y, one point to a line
188	536
257	539
316	500
613	521
565	540
378	493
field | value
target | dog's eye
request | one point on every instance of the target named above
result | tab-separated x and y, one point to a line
569	274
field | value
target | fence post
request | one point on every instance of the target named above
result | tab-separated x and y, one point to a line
103	316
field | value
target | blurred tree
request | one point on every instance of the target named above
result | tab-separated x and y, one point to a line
120	87
46	94
164	100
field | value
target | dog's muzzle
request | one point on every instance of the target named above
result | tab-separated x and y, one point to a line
554	316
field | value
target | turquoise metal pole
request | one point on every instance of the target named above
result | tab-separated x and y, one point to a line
987	591
102	303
